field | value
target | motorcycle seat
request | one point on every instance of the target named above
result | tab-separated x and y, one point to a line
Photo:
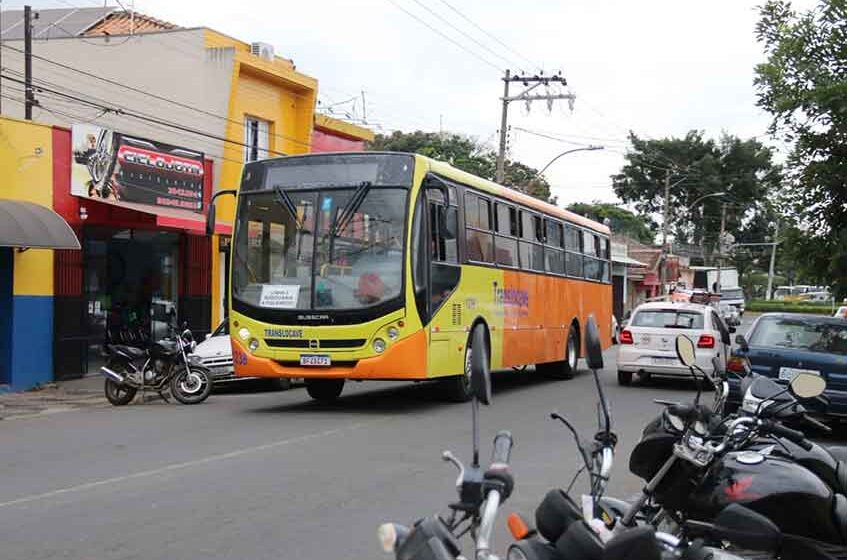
130	352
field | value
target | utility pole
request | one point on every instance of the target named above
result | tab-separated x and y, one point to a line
769	293
504	118
536	81
666	216
29	98
720	245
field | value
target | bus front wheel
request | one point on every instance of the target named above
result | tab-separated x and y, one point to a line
566	368
324	390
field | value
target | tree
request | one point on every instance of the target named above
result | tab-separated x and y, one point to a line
803	85
620	219
466	154
694	167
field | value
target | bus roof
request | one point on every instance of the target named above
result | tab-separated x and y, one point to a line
447	170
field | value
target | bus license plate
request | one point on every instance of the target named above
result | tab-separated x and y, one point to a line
315	360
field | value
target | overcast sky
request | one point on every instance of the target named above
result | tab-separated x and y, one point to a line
658	67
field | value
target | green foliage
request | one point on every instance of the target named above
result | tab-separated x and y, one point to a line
695	167
621	220
803	84
764	306
466	154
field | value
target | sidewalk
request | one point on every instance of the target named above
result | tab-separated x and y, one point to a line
60	396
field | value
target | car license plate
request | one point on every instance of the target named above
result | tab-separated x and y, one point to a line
315	360
664	361
789	373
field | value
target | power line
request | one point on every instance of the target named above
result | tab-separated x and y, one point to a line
448	23
137	115
458	44
507	47
149	94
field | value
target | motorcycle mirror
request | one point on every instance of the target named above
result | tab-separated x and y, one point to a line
807	385
746	528
593	348
685	350
210	220
480	375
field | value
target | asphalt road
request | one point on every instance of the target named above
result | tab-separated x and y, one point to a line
277	476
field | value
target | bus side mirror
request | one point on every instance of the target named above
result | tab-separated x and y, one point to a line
210	220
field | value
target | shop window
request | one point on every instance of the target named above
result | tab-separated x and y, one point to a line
256	139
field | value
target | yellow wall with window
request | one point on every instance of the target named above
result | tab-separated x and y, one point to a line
270	90
26	158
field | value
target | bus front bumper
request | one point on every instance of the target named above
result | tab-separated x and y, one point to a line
405	359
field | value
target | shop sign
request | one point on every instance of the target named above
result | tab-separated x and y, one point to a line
119	167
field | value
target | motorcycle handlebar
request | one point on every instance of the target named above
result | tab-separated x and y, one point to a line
795	436
819	425
502	448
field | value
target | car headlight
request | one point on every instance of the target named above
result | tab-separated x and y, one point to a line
244	333
393	333
253	345
379	345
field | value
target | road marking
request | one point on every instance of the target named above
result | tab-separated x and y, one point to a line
179	466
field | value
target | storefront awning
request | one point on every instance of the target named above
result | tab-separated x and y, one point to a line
620	259
170	217
29	225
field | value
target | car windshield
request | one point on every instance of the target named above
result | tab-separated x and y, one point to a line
800	333
223	328
668	319
732	293
338	248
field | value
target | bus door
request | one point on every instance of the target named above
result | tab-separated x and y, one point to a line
446	329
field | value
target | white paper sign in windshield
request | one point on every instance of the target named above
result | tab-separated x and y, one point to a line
279	296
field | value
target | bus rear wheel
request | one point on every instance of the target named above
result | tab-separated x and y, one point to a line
564	369
324	390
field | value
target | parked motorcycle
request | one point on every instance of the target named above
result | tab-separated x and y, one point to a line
480	492
697	463
166	366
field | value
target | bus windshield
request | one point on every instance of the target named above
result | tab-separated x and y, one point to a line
339	247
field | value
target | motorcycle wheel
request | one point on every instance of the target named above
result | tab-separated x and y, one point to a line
118	395
191	386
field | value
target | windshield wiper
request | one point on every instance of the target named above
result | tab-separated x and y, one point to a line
349	210
285	201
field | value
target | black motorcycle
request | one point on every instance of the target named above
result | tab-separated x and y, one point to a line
697	463
481	492
166	366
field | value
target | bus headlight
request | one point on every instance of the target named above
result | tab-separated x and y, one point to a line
379	345
393	333
253	345
244	333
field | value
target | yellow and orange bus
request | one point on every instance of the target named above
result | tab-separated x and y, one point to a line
380	266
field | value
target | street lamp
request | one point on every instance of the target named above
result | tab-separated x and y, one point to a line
552	161
690	206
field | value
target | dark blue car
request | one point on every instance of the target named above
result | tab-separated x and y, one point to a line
781	345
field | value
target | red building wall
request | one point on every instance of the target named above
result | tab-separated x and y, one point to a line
324	141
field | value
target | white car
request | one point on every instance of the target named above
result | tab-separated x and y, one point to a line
648	343
730	314
216	354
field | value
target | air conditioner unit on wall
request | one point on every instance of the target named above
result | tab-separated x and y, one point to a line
263	50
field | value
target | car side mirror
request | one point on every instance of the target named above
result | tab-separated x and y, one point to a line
731	330
627	315
741	342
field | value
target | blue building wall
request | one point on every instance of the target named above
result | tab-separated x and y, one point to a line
32	341
6	281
